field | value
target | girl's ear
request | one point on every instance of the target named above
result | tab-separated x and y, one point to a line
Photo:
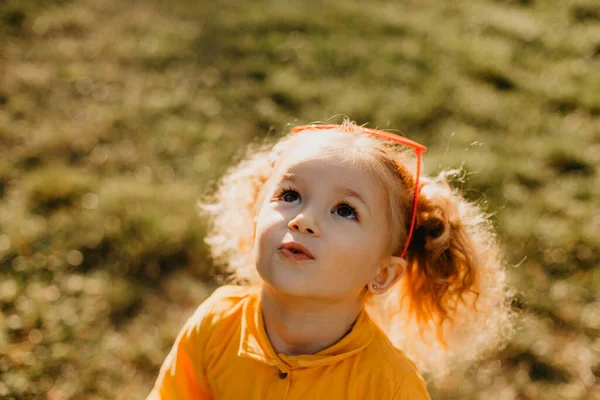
392	271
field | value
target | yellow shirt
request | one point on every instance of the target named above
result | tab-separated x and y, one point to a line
223	353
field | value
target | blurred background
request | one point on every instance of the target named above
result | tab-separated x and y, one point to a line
116	116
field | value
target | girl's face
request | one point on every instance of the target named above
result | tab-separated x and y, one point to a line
321	230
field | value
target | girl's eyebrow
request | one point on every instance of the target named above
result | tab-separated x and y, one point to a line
351	193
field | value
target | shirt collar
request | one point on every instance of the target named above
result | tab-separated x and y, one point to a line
255	344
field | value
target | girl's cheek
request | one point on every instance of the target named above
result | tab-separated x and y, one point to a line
283	212
270	216
344	243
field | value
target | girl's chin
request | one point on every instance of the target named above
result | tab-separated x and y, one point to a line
289	285
287	279
303	290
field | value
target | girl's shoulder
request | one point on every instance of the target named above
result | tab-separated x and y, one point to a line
224	303
390	364
226	296
391	359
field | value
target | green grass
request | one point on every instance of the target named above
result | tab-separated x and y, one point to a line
115	117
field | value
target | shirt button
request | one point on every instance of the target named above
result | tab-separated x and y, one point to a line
282	375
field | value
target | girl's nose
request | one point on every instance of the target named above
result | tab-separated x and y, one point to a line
304	224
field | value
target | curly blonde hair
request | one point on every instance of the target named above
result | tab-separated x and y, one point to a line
454	286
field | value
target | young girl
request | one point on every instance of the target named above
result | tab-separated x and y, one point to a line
351	260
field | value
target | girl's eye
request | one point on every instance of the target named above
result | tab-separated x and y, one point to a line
289	196
346	211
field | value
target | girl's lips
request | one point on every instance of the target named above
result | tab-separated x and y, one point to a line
295	251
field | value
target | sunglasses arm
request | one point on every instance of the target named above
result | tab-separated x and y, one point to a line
417	189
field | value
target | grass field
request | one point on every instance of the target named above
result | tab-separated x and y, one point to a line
116	116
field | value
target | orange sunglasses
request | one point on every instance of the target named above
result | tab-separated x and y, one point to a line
417	147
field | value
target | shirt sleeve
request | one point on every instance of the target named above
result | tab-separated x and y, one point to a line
412	387
182	375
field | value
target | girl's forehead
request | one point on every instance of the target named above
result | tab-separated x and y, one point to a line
320	156
333	167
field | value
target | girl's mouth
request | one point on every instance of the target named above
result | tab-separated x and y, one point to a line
295	251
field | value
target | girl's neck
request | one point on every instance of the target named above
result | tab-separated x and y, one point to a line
305	326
